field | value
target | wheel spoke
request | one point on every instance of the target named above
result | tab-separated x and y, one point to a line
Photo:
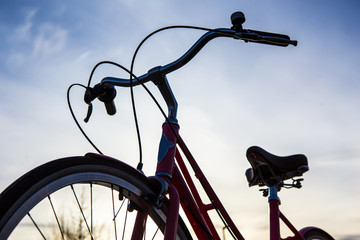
119	209
82	212
91	207
113	204
56	217
37	227
126	213
155	233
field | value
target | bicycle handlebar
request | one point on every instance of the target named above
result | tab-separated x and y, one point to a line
246	35
105	90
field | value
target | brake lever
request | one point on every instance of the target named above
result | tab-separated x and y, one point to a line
89	96
104	94
89	112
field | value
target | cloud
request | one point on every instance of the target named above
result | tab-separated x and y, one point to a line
82	57
23	31
50	39
353	237
35	39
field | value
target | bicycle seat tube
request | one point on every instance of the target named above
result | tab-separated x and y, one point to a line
274	202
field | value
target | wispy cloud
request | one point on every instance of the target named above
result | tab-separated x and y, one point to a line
23	32
353	237
35	39
49	39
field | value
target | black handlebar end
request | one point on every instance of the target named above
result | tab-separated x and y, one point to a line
110	107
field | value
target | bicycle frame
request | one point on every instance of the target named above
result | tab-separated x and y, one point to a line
171	167
177	184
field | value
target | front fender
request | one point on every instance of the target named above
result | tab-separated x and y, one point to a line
315	229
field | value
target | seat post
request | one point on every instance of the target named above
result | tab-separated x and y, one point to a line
274	202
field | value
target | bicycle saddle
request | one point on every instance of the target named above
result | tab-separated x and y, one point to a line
269	169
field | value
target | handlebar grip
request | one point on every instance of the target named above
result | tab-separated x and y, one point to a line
270	38
110	107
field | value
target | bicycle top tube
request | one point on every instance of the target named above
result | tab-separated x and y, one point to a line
246	35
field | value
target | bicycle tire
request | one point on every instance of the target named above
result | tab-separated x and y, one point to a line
31	190
317	234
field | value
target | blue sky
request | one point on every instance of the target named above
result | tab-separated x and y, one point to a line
302	99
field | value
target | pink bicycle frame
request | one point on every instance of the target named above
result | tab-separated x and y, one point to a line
182	191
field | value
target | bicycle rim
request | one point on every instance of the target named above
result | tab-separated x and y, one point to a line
81	198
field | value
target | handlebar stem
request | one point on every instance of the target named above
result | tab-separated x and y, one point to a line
160	80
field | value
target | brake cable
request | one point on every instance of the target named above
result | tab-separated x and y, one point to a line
140	164
74	117
132	76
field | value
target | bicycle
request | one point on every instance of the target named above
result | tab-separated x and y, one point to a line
30	199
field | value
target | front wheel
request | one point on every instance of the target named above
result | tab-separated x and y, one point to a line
317	234
91	197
